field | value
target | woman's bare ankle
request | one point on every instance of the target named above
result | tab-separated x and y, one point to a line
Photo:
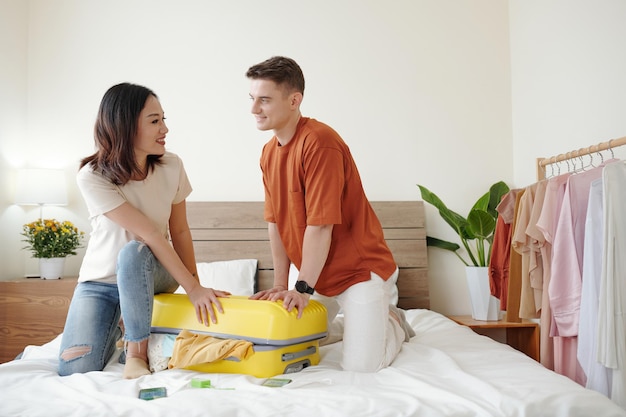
136	359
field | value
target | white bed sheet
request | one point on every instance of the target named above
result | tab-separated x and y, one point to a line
445	370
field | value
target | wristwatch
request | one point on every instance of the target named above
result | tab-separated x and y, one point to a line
302	287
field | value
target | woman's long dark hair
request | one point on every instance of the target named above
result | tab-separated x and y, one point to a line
115	131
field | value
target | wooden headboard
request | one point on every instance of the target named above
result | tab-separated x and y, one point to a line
236	230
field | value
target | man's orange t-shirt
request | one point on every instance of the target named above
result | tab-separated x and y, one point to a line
313	180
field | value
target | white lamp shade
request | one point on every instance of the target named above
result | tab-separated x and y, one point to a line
41	186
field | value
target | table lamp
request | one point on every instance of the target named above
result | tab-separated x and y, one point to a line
41	186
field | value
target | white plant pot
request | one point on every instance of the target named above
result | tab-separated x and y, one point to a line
51	268
485	306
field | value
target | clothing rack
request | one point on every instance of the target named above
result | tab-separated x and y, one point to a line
541	175
602	146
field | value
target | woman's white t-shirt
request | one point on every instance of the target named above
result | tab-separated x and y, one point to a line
166	185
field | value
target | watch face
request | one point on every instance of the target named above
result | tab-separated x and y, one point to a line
303	287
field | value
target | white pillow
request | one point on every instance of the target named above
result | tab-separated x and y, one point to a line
237	276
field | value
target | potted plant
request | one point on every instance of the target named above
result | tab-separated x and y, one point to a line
51	241
475	233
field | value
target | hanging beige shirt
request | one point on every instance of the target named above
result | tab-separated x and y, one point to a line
521	244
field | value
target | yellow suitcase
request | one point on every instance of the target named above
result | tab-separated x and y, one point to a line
282	343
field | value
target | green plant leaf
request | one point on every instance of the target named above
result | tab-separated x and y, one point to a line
454	220
496	192
481	223
482	203
442	244
477	229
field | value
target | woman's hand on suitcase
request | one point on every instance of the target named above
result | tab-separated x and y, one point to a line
203	299
266	294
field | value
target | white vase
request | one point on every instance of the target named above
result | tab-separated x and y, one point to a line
485	306
51	268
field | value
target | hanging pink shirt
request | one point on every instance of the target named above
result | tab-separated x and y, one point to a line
567	253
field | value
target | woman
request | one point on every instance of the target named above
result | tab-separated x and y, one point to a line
135	192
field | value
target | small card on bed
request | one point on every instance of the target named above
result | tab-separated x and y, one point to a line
152	393
275	382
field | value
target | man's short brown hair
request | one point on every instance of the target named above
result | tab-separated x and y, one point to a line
282	70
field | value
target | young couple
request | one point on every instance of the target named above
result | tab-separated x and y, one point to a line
318	218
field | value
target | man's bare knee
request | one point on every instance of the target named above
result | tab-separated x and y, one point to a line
75	352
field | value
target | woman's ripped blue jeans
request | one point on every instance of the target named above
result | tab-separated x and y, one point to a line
92	325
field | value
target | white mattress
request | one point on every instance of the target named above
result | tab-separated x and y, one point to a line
445	370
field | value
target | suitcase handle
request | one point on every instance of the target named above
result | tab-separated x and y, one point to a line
291	356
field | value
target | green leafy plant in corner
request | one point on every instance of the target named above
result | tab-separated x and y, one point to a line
476	231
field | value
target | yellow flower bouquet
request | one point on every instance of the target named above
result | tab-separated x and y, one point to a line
49	238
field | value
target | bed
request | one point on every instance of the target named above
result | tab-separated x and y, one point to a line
445	370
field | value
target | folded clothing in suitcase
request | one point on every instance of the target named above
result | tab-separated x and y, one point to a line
282	342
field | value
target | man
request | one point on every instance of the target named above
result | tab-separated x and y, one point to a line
320	220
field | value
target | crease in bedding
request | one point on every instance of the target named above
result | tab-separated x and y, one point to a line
445	370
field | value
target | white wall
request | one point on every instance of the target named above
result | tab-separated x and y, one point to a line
13	81
568	84
419	89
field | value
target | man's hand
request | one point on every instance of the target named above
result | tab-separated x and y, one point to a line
291	299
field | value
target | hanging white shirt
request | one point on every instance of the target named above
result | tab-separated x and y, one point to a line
612	299
598	376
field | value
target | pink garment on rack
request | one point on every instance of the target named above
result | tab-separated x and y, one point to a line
563	349
567	252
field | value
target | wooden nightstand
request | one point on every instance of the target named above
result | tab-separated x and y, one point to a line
32	312
522	336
